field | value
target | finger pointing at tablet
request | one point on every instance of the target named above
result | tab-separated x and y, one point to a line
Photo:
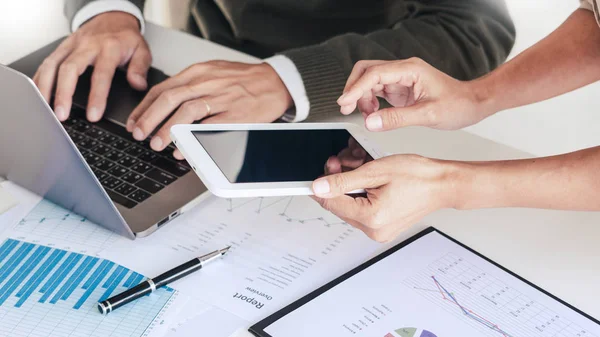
401	190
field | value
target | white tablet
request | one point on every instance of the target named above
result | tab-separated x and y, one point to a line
261	160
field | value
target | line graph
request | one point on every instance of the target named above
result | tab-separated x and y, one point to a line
448	296
486	303
263	204
52	221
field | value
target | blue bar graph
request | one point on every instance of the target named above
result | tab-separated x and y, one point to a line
7	248
38	277
75	277
112	277
92	278
59	275
14	260
90	262
22	273
71	284
120	273
94	284
137	280
130	279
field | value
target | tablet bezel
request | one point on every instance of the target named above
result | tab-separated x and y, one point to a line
216	181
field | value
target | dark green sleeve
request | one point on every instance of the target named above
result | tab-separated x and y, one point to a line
73	6
463	38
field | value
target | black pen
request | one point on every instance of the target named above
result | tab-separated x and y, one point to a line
161	280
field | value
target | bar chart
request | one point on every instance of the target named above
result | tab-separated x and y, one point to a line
46	291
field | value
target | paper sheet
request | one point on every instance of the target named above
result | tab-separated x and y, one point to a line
434	288
51	277
212	322
36	219
50	290
282	248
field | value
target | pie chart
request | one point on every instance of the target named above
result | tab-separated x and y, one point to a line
410	332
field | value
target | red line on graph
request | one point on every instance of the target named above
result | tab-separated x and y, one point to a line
440	289
470	312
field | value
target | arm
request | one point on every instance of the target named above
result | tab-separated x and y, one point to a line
422	186
421	95
570	182
565	60
465	39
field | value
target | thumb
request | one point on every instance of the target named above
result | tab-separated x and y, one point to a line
419	114
137	71
341	183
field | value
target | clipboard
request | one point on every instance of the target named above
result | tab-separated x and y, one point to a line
259	328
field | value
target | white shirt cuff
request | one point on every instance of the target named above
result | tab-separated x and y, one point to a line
102	6
287	71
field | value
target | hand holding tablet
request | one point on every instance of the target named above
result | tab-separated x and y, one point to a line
251	160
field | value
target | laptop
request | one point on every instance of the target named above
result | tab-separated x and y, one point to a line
94	169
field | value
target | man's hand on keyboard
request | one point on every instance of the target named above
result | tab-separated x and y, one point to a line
107	41
214	92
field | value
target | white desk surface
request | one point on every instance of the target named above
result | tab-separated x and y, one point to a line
559	251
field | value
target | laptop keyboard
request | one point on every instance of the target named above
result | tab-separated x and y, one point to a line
129	170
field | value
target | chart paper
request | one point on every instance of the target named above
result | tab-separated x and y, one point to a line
434	287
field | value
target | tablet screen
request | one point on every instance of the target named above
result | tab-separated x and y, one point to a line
262	156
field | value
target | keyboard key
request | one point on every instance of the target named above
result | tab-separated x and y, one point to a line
107	139
99	174
139	195
121	200
171	167
125	189
77	137
149	185
86	143
114	155
101	149
141	168
69	122
81	126
111	183
132	177
127	161
91	158
95	133
135	151
147	156
184	163
104	165
167	152
121	144
160	176
71	132
118	171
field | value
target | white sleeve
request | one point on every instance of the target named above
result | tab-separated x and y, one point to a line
287	71
102	6
586	4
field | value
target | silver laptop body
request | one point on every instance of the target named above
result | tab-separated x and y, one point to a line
37	153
